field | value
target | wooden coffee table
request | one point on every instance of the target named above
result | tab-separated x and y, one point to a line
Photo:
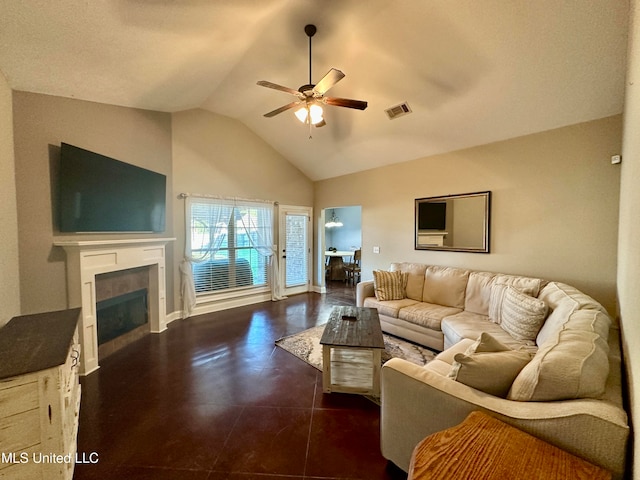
352	345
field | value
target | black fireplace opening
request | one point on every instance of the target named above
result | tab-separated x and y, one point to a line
122	314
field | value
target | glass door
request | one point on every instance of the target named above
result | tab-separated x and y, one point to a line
295	249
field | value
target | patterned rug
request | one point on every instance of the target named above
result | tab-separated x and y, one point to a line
306	346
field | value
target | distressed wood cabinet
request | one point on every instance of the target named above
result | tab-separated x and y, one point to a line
39	396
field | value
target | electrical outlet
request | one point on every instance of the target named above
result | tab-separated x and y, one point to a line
376	249
615	159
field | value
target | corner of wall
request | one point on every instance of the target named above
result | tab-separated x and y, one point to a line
9	270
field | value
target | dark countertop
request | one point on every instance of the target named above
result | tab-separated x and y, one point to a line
30	343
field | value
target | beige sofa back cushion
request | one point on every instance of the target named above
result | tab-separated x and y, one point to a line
563	300
571	363
445	286
478	292
415	279
527	285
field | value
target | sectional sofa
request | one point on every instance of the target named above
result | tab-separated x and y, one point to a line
539	355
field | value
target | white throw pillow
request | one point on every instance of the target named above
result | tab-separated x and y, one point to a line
522	316
495	302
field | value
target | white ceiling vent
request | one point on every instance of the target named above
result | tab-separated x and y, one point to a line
398	111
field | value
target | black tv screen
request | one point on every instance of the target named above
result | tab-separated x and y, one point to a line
101	194
432	216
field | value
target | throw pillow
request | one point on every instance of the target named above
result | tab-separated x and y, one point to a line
495	302
486	343
489	372
522	316
389	285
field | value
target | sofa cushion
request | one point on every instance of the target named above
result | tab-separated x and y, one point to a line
389	285
426	314
530	286
415	278
390	308
489	372
563	300
471	325
478	292
572	363
521	315
445	286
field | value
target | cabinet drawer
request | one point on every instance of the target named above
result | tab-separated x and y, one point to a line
19	432
19	398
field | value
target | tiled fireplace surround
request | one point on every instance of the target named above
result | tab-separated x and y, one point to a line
89	259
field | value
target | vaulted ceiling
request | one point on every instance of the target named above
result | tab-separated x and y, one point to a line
472	71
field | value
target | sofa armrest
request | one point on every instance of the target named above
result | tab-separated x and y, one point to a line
364	290
417	402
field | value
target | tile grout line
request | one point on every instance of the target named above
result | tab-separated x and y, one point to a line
313	407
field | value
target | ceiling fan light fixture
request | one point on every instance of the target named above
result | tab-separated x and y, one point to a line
310	114
315	113
311	97
302	113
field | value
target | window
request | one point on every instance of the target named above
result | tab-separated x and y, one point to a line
229	244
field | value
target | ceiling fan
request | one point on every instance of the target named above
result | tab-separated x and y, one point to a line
311	97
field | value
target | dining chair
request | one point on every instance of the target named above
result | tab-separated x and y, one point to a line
352	269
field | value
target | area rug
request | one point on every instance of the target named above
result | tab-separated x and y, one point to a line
306	346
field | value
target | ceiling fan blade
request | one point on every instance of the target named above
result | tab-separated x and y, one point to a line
328	81
281	109
320	124
345	102
275	86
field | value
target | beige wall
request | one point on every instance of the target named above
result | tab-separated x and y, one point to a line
216	155
9	271
629	238
554	205
41	123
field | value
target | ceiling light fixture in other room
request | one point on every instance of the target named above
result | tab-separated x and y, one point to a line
334	221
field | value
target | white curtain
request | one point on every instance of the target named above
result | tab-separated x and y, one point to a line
266	246
219	213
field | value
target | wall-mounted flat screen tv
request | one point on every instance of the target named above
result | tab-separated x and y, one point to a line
101	194
432	216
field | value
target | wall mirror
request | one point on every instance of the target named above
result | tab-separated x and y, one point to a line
458	223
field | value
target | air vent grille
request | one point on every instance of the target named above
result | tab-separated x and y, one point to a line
398	111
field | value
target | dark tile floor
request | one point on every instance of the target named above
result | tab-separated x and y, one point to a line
212	398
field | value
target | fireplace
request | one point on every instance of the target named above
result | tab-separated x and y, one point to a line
91	261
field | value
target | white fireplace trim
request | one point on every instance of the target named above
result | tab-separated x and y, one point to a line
88	258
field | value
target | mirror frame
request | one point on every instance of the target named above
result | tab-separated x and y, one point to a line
486	223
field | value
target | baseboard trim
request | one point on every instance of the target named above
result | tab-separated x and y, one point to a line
177	315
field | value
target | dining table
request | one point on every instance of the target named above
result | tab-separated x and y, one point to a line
335	262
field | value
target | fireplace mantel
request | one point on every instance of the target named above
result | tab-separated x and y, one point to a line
88	258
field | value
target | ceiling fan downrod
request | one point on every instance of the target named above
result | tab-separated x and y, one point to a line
310	30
